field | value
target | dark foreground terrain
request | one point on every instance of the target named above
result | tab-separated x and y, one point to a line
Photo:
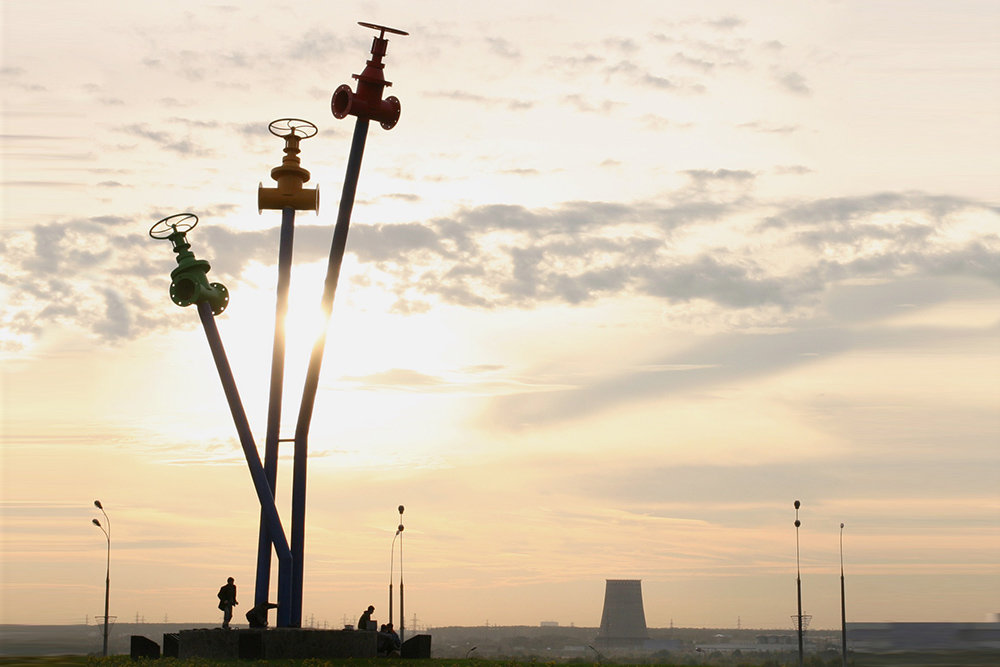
493	646
922	659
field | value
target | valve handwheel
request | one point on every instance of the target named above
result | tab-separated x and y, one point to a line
180	222
382	28
284	127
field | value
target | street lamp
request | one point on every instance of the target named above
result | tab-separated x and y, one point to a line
392	556
843	600
107	576
798	581
402	619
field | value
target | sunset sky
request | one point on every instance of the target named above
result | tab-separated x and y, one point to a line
625	281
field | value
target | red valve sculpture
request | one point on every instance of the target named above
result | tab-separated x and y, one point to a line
367	102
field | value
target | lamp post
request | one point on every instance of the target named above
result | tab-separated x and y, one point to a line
107	576
402	618
392	557
843	601
798	582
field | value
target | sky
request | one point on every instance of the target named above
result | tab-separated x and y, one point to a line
625	281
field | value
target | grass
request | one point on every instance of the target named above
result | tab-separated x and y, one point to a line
914	659
125	661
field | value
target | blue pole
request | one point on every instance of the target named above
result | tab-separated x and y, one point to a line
315	363
263	583
264	496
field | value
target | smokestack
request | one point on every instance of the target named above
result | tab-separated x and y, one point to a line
623	621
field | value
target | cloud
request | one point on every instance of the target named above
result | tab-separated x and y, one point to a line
722	359
717	491
705	175
503	48
792	169
845	210
660	82
315	45
658	123
585	104
396	378
726	359
727	22
61	273
623	44
737	284
530	172
793	82
465	96
185	146
117	321
768	128
711	243
699	64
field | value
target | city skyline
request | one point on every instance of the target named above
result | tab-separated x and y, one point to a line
621	285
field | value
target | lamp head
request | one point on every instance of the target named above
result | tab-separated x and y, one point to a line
400	509
797	523
96	522
797	504
98	505
399	529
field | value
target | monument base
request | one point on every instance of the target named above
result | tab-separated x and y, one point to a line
275	643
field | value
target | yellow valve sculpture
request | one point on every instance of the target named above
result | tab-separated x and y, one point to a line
290	174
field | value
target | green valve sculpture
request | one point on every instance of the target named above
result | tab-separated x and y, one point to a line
189	281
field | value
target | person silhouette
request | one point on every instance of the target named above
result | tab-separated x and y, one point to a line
257	617
366	618
227	600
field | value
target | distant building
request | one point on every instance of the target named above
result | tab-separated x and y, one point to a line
922	636
623	621
549	624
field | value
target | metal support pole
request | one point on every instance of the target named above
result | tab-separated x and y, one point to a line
798	587
263	582
402	618
843	601
392	558
798	584
300	457
107	573
107	598
264	496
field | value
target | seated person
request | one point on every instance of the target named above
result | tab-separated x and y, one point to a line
257	616
366	619
389	636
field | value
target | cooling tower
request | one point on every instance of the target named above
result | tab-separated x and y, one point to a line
623	621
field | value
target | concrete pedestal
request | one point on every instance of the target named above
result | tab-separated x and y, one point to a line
276	643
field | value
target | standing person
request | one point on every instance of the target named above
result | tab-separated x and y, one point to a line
366	618
227	600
